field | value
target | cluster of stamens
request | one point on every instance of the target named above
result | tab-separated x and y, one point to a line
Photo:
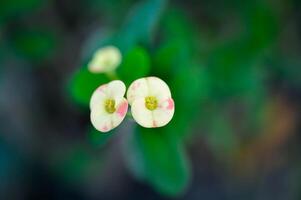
110	106
151	103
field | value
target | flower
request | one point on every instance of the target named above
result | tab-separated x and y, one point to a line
151	102
105	59
108	106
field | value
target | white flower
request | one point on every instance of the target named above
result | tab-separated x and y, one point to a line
105	59
108	106
151	102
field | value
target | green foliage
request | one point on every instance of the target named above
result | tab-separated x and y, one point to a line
135	64
157	157
221	137
15	8
98	139
83	84
35	45
133	31
262	25
76	163
202	84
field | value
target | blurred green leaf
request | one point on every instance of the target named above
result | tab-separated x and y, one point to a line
235	70
189	89
131	33
221	136
84	83
159	159
135	64
97	138
13	8
76	164
97	39
134	31
285	69
261	24
167	57
177	26
35	44
177	61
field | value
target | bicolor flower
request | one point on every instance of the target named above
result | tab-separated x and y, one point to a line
108	106
105	59
151	102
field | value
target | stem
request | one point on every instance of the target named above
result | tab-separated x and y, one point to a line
112	75
129	114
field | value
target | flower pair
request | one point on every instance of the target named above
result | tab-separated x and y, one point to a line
150	99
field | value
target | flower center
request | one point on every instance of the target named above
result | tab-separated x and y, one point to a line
110	105
151	102
107	62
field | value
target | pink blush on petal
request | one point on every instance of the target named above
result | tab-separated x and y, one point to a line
105	128
102	88
154	123
122	109
136	85
170	105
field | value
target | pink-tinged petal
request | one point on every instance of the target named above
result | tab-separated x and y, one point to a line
167	104
101	120
138	89
120	113
141	114
164	113
99	95
122	108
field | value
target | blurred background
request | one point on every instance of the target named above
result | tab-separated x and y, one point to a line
234	69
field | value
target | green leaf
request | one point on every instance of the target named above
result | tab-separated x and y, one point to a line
97	138
131	33
13	8
76	163
159	159
135	64
167	56
234	69
261	23
221	136
35	44
134	31
97	39
83	84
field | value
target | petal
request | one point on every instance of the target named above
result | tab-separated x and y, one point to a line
116	90
164	113
141	114
149	86
158	88
99	95
101	120
119	115
105	59
137	89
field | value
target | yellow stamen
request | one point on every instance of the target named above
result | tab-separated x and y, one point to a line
151	103
110	106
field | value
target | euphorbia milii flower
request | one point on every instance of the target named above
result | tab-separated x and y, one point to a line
108	106
105	60
151	102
